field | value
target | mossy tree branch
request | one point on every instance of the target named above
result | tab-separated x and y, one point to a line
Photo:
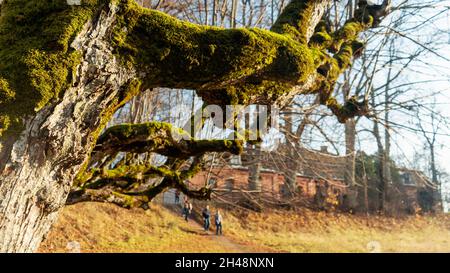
127	182
245	66
236	66
125	189
158	137
225	66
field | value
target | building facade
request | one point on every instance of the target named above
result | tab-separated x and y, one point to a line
320	182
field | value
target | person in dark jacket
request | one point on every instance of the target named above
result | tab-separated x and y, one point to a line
206	218
177	197
187	209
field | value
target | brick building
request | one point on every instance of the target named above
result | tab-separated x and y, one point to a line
320	180
416	192
317	171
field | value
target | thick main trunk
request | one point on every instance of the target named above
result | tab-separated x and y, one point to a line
39	167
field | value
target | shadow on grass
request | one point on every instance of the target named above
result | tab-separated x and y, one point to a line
197	232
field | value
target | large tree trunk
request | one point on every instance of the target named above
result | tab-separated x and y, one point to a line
41	164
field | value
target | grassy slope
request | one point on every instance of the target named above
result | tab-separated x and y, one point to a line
309	231
107	228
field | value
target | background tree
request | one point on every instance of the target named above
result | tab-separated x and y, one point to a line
390	74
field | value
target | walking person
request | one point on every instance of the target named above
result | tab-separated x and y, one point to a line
218	222
187	209
206	217
177	197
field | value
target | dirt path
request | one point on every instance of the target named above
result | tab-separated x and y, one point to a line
228	243
221	239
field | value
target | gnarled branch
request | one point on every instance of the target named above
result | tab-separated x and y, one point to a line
126	183
298	55
158	137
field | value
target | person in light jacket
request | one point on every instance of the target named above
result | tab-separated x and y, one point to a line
218	221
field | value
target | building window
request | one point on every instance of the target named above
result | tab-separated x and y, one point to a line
408	180
229	184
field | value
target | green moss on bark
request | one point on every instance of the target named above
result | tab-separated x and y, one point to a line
295	20
159	137
6	94
231	66
321	39
129	90
202	57
36	61
350	32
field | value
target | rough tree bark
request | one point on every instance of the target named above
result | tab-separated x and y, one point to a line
64	70
350	178
254	178
42	161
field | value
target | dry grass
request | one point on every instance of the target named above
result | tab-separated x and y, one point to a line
308	231
107	228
